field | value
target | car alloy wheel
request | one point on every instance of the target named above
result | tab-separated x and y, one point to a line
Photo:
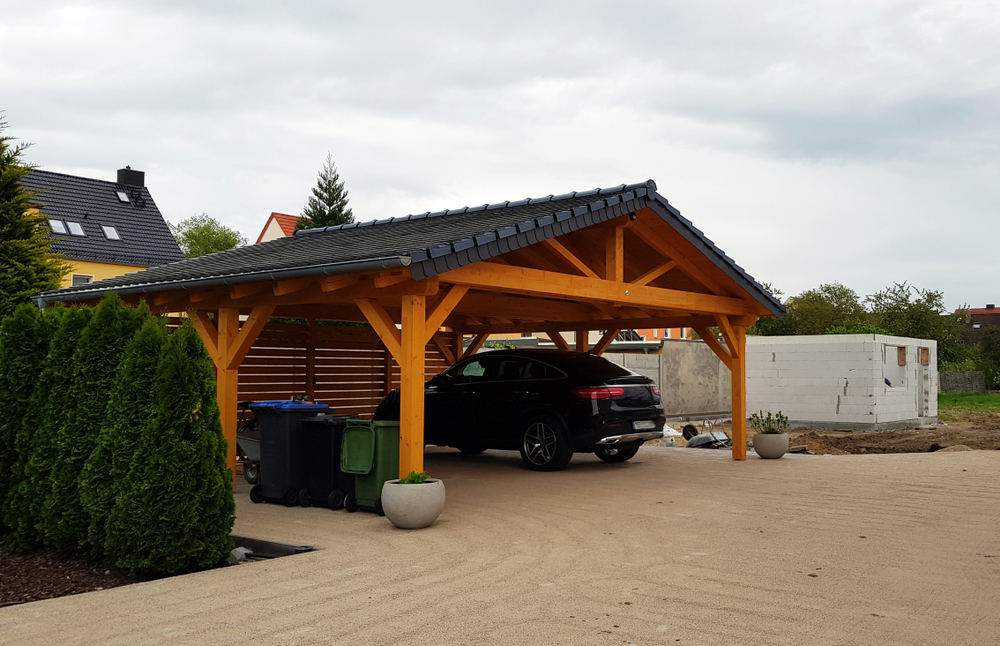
544	446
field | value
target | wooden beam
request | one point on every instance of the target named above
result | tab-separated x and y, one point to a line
476	303
247	335
337	283
477	342
558	339
654	273
605	341
739	381
560	250
412	363
614	255
582	340
383	325
201	295
208	333
443	308
543	283
594	324
389	278
658	242
710	340
457	344
728	334
442	346
236	292
285	287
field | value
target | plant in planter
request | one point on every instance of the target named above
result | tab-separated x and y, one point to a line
770	441
414	501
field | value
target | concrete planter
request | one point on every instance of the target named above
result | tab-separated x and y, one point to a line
412	506
770	446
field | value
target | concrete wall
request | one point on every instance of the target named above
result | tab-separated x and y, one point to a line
962	382
839	381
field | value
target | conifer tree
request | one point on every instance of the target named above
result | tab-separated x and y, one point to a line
49	404
26	266
95	364
176	508
24	342
328	204
128	412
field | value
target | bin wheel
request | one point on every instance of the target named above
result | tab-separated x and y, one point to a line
335	500
378	507
304	500
291	498
351	502
256	494
251	472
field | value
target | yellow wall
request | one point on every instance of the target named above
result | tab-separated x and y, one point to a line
99	270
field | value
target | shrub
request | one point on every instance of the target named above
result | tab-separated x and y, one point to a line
95	363
129	410
24	342
176	508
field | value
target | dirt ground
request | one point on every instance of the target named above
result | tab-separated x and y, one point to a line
30	577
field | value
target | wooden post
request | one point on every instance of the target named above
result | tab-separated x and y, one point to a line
228	320
311	360
582	340
412	362
739	370
457	344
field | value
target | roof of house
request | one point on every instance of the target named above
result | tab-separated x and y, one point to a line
144	238
285	221
987	311
427	243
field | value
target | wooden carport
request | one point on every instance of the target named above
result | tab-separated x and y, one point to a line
605	259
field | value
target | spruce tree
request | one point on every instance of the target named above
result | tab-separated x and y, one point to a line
49	404
95	364
176	508
328	204
24	342
129	411
26	266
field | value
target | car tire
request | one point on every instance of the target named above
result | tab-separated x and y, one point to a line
256	494
251	472
544	443
616	454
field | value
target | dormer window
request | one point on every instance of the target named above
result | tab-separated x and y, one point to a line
110	233
57	226
75	229
122	197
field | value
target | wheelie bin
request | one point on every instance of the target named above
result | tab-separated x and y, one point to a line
371	453
283	471
322	440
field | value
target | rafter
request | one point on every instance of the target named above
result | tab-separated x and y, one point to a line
389	278
654	238
560	250
654	273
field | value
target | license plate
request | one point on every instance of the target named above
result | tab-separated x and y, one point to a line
644	425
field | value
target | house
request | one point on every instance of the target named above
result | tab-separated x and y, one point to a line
279	225
103	229
980	320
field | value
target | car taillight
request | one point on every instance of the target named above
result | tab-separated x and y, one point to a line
656	390
602	392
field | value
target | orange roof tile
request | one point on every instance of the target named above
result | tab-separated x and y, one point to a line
285	221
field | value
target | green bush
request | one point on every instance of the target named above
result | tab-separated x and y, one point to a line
176	508
128	413
95	362
24	342
48	416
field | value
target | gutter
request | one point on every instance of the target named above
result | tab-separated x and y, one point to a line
45	299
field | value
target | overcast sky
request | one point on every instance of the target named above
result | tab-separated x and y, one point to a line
812	141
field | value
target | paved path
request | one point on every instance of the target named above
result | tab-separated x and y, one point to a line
676	547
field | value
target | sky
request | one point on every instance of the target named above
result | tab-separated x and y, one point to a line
848	141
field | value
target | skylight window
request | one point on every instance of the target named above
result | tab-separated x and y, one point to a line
110	233
75	228
57	226
122	196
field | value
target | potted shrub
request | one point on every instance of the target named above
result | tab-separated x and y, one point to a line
414	501
770	441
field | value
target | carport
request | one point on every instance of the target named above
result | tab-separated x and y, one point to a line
605	259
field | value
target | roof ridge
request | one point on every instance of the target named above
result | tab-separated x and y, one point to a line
88	179
621	188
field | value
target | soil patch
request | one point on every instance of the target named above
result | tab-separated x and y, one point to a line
982	434
43	575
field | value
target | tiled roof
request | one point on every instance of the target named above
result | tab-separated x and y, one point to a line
145	240
285	222
427	243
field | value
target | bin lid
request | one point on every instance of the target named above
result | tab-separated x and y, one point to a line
358	450
286	404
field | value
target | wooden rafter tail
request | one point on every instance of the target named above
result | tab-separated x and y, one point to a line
337	283
477	342
237	292
605	341
713	343
285	287
389	278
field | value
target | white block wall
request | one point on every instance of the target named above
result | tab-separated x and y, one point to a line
838	381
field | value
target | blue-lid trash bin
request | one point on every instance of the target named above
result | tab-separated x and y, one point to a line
283	468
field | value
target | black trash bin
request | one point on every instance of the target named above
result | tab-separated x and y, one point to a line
283	471
322	438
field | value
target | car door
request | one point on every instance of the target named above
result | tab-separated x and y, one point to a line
452	413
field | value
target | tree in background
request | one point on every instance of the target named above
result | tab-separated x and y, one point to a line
904	310
816	310
26	266
176	507
328	205
200	235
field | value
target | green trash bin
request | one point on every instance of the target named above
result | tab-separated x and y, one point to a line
371	453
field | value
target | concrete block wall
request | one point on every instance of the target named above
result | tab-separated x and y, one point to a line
838	381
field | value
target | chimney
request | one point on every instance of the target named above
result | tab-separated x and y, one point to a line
990	306
130	177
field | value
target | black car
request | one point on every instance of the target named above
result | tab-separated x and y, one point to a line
547	404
